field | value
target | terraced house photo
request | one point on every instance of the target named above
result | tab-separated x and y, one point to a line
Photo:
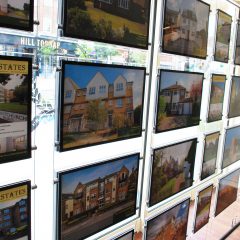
15	108
123	22
96	197
16	14
101	103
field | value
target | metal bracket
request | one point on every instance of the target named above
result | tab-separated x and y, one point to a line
35	67
36	22
57	144
60	26
56	180
34	187
34	148
59	69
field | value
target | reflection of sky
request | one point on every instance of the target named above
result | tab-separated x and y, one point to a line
179	152
83	74
18	3
71	180
201	10
184	79
156	224
219	84
230	180
231	134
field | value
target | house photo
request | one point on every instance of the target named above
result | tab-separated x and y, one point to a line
179	100
101	104
96	197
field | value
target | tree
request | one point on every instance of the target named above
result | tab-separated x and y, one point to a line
96	114
21	92
137	115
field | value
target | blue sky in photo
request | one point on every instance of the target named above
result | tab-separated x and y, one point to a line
230	180
219	84
232	133
71	180
236	84
83	74
185	79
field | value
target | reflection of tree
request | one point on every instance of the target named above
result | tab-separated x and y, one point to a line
195	94
76	4
96	114
162	105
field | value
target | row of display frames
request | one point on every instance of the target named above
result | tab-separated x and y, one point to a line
183	34
111	196
101	101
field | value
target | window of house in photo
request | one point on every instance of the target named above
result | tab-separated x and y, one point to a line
68	94
102	89
119	87
123	3
92	90
119	102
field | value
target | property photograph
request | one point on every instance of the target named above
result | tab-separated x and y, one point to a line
228	191
127	236
170	225
15	108
15	212
100	103
96	197
185	30
234	107
237	50
223	37
216	98
203	208
123	22
179	100
172	170
15	14
232	147
210	155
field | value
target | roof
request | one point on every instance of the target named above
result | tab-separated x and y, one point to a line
75	86
174	86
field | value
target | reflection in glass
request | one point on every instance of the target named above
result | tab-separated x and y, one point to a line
234	108
223	37
232	147
179	101
227	193
170	225
216	98
172	170
127	236
203	208
210	155
186	27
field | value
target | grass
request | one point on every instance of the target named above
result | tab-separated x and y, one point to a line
13	107
167	189
117	21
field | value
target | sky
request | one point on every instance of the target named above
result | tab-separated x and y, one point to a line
219	84
179	152
11	203
83	74
14	82
71	180
236	84
201	13
232	133
18	3
162	219
184	79
230	180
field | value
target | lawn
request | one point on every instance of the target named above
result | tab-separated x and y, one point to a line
167	189
13	107
117	21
